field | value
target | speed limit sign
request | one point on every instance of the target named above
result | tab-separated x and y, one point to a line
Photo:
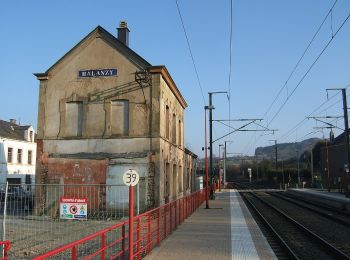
131	177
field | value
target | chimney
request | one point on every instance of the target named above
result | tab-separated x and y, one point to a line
123	33
13	121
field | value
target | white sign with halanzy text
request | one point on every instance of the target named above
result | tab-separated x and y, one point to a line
131	177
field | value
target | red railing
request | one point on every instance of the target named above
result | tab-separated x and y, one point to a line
150	228
5	245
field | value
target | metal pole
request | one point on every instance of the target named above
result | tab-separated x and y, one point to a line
137	199
346	124
225	166
312	168
211	145
131	222
206	160
4	220
298	168
276	156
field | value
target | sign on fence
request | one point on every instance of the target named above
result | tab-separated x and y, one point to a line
73	208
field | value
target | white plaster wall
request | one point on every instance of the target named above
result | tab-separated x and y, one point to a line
14	169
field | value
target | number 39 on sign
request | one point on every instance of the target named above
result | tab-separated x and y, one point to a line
131	177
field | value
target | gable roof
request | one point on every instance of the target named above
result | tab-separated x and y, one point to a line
12	131
112	41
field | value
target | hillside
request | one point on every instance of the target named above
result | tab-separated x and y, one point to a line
286	151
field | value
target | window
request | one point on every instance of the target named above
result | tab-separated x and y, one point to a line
167	130
9	154
31	136
19	155
29	157
174	192
74	118
174	128
120	117
180	179
180	136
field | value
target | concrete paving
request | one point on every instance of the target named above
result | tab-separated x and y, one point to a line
225	231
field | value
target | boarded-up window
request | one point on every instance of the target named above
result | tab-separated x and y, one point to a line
74	118
180	179
174	128
180	133
167	126
167	181
120	117
174	192
95	119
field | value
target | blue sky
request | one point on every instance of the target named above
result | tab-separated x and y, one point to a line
268	39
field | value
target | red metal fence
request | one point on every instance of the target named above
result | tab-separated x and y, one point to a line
5	245
150	228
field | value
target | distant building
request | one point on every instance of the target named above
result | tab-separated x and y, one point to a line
17	153
103	109
332	163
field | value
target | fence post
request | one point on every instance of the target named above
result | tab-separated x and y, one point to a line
158	226
138	238
131	222
103	246
175	226
149	233
74	253
171	217
165	212
123	241
4	219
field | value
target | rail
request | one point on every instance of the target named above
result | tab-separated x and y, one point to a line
150	228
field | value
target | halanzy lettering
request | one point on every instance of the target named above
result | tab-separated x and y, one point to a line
97	73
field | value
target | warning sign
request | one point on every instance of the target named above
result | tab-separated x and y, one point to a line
73	208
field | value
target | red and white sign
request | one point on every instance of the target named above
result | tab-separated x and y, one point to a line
73	208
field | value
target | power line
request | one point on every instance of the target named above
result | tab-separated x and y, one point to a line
300	59
292	72
307	72
309	69
291	131
189	48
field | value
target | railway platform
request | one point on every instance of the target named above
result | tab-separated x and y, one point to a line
333	198
225	231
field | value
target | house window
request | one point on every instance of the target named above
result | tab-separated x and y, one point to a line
167	130
174	128
19	155
120	117
29	157
31	136
9	154
74	118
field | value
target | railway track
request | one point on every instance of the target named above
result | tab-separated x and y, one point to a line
293	229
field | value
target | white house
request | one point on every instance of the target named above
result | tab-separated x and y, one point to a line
17	153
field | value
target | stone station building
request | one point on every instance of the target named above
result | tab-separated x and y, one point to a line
103	109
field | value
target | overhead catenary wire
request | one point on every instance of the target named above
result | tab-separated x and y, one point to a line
309	69
190	50
297	126
307	72
301	58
